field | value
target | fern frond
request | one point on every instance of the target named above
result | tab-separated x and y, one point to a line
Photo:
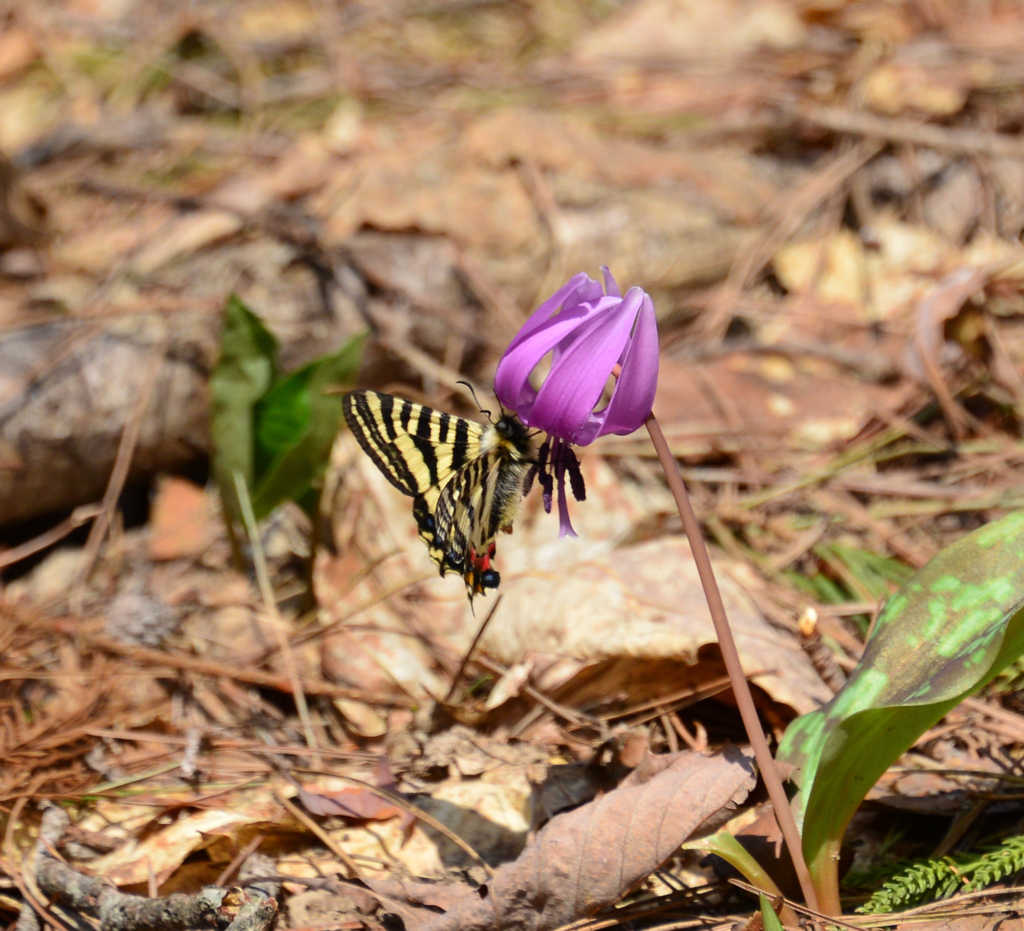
931	880
998	863
921	882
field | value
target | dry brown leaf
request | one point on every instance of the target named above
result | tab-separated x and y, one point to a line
929	347
833	267
953	207
27	113
895	87
744	400
161	852
474	206
687	30
554	143
358	803
582	599
640	602
877	283
373	526
187	234
278	21
181	521
589	858
17	51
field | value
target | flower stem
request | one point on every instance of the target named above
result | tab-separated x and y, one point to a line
731	658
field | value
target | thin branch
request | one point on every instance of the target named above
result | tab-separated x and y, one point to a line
270	606
118	477
457	678
80	516
914	132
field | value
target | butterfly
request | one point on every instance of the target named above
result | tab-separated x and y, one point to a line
466	479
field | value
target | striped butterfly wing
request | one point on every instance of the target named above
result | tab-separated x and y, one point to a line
467	520
425	454
415	447
481	499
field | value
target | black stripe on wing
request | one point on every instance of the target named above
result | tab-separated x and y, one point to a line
375	423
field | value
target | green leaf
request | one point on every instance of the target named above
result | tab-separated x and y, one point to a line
282	417
243	373
949	630
296	424
725	845
769	920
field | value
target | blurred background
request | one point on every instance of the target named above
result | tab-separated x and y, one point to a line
778	175
790	176
824	199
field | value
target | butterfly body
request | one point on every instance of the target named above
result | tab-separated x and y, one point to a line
466	479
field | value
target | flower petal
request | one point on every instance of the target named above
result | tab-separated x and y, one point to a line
512	378
594	309
578	283
565	528
511	383
611	286
566	400
634	392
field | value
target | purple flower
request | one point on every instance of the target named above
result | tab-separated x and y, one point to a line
588	331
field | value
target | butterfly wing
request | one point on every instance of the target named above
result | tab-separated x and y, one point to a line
418	450
415	447
478	501
465	485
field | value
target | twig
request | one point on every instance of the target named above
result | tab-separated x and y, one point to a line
941	138
731	658
118	911
270	606
797	907
147	657
786	215
80	515
239	858
469	653
576	718
415	811
299	815
118	476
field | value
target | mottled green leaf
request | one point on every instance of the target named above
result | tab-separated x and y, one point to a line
951	628
295	427
243	373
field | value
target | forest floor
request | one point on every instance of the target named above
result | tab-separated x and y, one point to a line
825	202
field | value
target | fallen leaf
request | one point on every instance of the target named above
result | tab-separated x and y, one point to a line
180	521
895	87
17	51
360	804
634	603
187	234
941	304
582	599
830	269
161	852
589	858
440	192
685	30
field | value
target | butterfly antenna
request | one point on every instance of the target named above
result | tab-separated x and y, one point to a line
472	391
